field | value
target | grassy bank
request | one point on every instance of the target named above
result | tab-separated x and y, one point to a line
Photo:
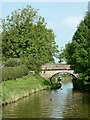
16	89
22	87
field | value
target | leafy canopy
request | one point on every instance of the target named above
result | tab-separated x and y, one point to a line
25	36
76	53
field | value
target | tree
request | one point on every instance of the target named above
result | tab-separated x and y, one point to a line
76	53
25	35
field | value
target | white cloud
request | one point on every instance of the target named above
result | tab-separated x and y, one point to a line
72	21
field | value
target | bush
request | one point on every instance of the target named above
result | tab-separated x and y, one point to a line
78	84
33	64
12	62
56	85
87	87
11	73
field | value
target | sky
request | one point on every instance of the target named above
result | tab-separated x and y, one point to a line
62	17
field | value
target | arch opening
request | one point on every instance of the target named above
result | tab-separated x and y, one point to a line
62	73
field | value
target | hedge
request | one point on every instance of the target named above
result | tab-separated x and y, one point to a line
12	62
11	73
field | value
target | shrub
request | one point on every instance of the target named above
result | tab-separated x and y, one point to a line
12	62
11	73
78	84
33	64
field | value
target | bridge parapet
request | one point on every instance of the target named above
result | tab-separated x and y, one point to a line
53	66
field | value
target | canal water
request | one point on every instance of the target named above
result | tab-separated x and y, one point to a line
60	103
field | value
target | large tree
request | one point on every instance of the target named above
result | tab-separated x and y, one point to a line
76	53
25	35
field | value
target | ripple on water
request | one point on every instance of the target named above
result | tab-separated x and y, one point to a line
50	104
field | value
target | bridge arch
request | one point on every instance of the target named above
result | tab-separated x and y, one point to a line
75	77
64	72
49	73
50	69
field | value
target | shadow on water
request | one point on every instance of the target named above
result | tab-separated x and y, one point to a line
59	103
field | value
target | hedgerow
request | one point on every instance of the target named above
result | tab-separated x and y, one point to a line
11	73
12	62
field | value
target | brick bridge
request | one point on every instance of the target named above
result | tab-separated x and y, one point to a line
50	69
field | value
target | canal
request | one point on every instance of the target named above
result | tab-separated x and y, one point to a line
60	103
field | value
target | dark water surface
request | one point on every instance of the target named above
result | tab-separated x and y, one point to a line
64	103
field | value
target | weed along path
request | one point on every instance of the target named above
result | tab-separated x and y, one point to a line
58	103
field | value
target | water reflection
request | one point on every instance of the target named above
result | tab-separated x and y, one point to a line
60	103
75	106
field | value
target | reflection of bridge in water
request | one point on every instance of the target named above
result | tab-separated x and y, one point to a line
50	69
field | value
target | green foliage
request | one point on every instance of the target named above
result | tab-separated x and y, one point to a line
46	82
34	65
61	56
56	85
12	62
25	35
11	73
78	84
76	53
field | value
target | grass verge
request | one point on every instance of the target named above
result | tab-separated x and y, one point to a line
14	90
